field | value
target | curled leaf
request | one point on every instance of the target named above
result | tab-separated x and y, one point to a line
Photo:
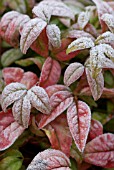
106	37
100	151
49	159
96	84
73	72
30	33
79	123
39	99
54	35
11	93
50	73
83	19
80	44
109	20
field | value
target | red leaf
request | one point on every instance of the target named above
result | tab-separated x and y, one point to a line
79	123
49	159
60	101
40	45
96	129
100	151
12	74
9	130
50	74
29	79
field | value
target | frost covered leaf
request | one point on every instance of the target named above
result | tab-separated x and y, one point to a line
100	151
39	99
46	9
50	73
80	44
9	130
12	74
79	34
79	123
106	37
11	93
54	35
73	72
60	101
30	33
21	111
10	56
103	8
96	85
96	129
49	159
109	20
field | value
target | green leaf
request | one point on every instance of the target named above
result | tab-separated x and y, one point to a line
108	127
10	56
12	160
18	5
109	79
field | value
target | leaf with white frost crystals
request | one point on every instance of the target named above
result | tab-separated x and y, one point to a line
96	85
79	118
21	111
73	72
46	9
30	33
54	35
109	20
49	159
80	44
39	99
106	37
12	93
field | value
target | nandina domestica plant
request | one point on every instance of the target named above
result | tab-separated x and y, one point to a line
57	85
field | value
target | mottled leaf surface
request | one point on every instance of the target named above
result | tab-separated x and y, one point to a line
73	72
100	151
49	159
79	118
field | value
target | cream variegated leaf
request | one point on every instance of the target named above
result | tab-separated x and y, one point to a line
46	9
106	37
30	32
80	44
39	99
109	20
96	84
54	35
49	159
12	93
21	111
79	118
73	72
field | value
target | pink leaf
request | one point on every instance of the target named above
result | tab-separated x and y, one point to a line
39	99
60	101
40	45
96	85
100	151
54	35
79	123
11	93
50	73
56	88
73	72
12	74
30	33
21	111
29	79
9	130
103	8
61	127
49	159
96	129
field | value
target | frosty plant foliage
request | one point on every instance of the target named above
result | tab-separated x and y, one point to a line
56	84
